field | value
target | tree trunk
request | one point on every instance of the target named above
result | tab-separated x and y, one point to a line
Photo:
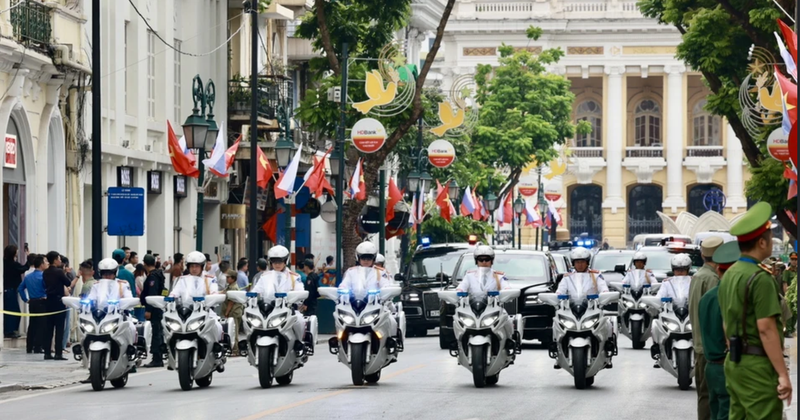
325	37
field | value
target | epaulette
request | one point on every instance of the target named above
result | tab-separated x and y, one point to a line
766	268
379	268
595	271
123	282
500	273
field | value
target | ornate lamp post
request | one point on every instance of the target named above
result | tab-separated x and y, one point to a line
519	207
491	205
200	134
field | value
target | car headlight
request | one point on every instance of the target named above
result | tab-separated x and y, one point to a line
87	326
277	321
254	320
109	327
489	320
590	322
346	319
411	297
370	317
566	323
196	325
467	320
628	303
672	325
532	300
173	325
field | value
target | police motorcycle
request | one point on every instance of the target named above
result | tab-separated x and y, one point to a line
269	327
581	342
635	319
364	338
481	327
672	347
190	338
105	341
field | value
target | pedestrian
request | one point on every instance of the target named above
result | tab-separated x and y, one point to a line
87	274
133	262
233	310
57	285
12	277
139	275
176	269
241	275
713	335
122	274
154	285
756	375
32	292
312	286
127	252
790	281
790	274
222	274
261	267
704	280
329	273
212	268
70	320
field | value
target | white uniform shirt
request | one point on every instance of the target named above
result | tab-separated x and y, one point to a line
676	288
640	277
105	290
579	285
360	280
271	282
480	281
189	287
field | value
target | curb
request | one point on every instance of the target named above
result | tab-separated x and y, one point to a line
10	387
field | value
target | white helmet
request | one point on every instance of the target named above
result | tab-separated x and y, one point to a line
580	254
278	252
483	251
681	261
195	257
380	259
107	264
366	248
639	256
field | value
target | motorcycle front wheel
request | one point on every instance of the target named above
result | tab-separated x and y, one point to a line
637	330
265	369
478	365
97	370
684	365
358	360
185	369
579	362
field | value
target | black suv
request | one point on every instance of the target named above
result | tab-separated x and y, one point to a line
429	271
532	272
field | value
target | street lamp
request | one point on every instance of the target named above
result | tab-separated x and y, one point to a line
199	133
413	181
425	179
519	207
452	190
491	201
283	151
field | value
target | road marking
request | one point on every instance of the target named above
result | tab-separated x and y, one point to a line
272	411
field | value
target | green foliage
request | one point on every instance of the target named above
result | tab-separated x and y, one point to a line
791	302
768	184
525	111
457	230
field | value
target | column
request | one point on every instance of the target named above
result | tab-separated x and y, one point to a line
734	190
616	112
675	138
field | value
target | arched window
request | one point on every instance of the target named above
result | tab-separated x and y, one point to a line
643	203
586	211
591	112
705	127
647	120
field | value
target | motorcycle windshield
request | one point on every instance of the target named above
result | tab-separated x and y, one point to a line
579	308
358	304
637	280
680	286
577	293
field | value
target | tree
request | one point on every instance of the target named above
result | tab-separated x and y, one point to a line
525	111
716	38
367	25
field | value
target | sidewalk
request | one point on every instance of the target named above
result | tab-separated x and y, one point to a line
22	371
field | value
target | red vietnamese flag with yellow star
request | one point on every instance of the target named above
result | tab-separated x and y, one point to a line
264	173
180	162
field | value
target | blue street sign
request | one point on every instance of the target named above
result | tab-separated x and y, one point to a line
125	211
714	200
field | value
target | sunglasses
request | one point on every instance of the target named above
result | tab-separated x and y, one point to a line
366	257
277	261
484	259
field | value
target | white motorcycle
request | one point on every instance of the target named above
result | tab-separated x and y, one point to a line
481	327
581	343
364	340
672	337
269	328
635	320
190	338
105	343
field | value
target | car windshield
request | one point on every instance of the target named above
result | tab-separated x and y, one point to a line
429	264
606	261
660	260
519	269
561	264
656	240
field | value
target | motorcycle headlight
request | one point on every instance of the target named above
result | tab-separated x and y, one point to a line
109	327
689	326
196	325
370	317
590	322
346	319
173	325
467	320
87	326
672	326
254	320
629	303
489	320
566	323
277	321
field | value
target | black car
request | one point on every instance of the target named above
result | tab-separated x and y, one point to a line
429	271
563	263
532	272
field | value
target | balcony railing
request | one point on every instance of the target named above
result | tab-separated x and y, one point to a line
704	151
31	23
273	91
562	9
644	152
587	152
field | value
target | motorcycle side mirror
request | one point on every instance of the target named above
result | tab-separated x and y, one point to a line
619	268
399	278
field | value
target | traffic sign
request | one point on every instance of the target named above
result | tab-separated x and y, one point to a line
125	211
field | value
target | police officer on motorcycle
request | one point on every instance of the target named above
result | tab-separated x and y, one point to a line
639	263
677	286
109	288
195	285
281	280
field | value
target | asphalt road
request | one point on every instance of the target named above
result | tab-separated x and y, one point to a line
426	383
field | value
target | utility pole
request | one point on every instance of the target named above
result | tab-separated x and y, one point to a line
340	178
97	155
253	226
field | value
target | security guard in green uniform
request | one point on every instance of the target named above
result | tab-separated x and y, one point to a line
757	377
713	335
704	280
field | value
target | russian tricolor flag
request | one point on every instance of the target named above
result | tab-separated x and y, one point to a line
285	185
468	204
531	214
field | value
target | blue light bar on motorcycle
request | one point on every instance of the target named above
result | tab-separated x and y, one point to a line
344	292
199	299
563	297
666	299
86	302
113	302
426	242
169	299
251	294
462	294
592	297
626	286
493	293
646	285
280	295
374	292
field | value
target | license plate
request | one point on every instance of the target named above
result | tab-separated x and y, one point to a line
433	313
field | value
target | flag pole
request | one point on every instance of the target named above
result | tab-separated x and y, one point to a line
253	235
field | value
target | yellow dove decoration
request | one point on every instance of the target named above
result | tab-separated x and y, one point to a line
449	118
771	101
378	95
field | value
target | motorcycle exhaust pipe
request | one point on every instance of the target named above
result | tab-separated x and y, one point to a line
77	352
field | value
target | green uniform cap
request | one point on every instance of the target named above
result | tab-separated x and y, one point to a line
753	223
727	253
